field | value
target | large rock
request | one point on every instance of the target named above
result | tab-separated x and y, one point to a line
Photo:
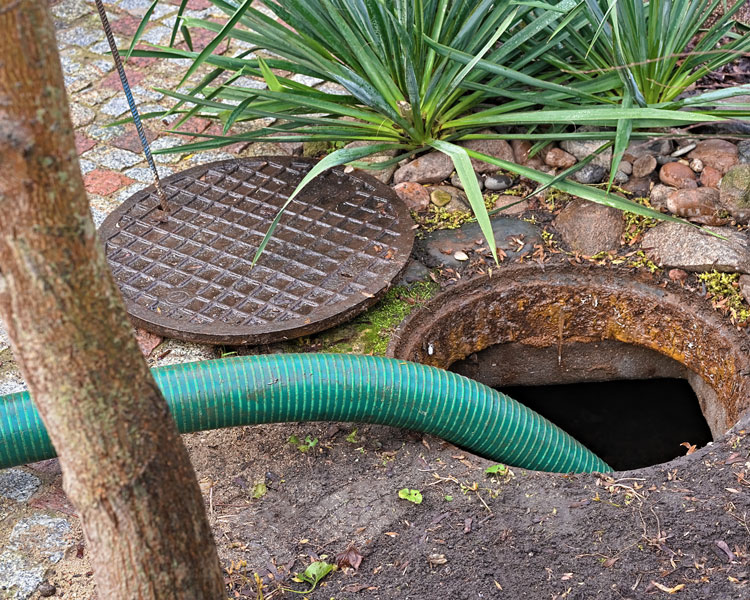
678	175
743	149
521	151
658	196
440	247
494	148
638	186
589	228
590	173
415	196
719	154
449	198
679	246
559	159
735	192
430	168
697	204
657	147
584	148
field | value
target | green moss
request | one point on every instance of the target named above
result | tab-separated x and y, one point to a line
724	290
380	321
636	260
370	332
438	218
637	225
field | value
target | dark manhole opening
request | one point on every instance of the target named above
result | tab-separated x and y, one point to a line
629	423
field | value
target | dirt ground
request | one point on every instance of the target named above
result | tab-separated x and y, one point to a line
681	526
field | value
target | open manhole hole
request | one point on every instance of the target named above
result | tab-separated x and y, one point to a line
631	369
338	247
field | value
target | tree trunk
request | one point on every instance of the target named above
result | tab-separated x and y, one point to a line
124	465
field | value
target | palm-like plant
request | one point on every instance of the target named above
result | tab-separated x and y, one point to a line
414	75
659	48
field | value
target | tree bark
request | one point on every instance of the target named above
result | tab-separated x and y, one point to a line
124	465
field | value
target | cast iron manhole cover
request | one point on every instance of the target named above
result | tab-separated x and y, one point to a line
336	251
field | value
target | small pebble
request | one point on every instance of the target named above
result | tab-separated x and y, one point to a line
46	590
683	150
497	182
663	160
460	255
456	181
696	165
677	275
440	197
644	166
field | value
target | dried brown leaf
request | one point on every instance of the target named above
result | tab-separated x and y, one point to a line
349	558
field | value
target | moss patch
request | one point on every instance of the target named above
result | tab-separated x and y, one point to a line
377	324
725	294
637	225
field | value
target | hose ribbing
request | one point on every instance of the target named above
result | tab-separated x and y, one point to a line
278	388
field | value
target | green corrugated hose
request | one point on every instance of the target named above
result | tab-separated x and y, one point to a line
277	388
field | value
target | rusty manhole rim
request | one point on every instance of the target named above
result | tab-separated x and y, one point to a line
522	304
218	332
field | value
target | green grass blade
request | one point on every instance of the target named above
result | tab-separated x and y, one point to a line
468	179
213	44
141	27
339	157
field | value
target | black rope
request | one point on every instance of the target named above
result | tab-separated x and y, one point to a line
131	104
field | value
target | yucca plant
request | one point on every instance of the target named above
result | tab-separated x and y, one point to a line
651	52
659	47
414	75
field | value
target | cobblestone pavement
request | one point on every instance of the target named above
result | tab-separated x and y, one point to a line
41	544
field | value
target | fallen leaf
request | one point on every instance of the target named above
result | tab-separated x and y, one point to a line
664	588
724	548
566	576
353	588
437	559
610	562
690	447
349	558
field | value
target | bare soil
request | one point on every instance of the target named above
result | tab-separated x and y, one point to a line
682	526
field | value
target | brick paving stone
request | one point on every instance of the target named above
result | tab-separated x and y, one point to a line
103	46
112	158
145	175
307	80
79	36
104	65
130	140
69	65
81	115
126	25
249	82
112	80
70	10
157	35
163	143
193	4
125	193
83	143
102	133
86	166
142	94
195	125
104	183
95	96
115	107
